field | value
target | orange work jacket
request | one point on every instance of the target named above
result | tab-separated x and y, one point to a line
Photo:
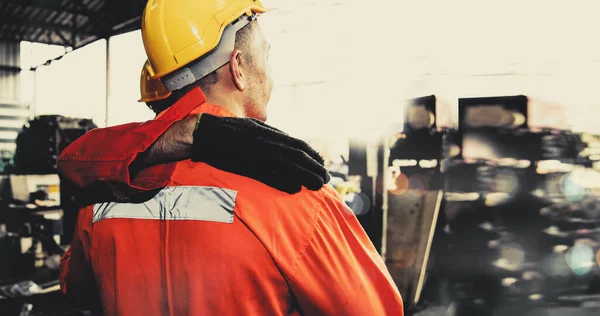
216	243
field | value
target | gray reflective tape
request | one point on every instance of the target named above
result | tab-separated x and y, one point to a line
176	203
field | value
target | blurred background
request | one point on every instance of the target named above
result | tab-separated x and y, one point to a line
464	135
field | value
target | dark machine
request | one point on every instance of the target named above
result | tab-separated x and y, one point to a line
521	206
497	216
413	198
37	214
401	176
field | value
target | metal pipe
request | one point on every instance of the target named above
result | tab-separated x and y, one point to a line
32	107
384	207
107	80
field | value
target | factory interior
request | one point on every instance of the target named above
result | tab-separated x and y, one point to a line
464	136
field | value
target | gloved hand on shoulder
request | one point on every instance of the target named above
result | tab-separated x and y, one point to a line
251	148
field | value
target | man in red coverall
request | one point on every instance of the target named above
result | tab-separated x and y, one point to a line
213	242
98	173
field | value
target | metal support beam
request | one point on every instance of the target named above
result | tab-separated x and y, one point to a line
50	6
107	80
87	30
63	38
39	39
10	129
109	19
17	38
33	106
123	27
74	23
71	23
14	117
53	35
10	68
13	105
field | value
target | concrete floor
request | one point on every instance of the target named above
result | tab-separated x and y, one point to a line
544	311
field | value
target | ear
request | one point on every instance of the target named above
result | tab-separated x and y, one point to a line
235	67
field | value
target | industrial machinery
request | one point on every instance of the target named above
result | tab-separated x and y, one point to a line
413	194
401	176
500	191
37	215
498	215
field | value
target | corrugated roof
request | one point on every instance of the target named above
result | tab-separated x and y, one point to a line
73	23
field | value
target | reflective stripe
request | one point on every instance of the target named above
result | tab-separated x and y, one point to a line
176	203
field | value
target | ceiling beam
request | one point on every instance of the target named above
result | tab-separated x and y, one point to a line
10	68
16	38
43	38
84	30
4	104
63	38
10	129
79	24
14	117
77	10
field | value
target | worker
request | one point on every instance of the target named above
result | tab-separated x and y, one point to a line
94	172
214	242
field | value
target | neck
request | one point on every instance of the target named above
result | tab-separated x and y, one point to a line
226	101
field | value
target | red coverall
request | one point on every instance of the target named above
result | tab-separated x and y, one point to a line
216	243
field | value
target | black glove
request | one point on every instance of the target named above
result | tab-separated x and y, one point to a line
251	148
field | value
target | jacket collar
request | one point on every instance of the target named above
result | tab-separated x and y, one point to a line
193	102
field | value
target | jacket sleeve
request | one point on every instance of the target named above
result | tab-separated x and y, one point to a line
76	276
339	272
99	163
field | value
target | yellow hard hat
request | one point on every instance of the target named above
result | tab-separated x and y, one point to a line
178	32
151	89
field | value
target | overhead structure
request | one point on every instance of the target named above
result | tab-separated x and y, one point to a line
69	23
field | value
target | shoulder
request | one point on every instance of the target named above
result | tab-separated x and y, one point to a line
255	200
188	173
284	223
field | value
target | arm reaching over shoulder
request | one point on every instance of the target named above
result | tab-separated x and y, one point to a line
122	161
105	164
